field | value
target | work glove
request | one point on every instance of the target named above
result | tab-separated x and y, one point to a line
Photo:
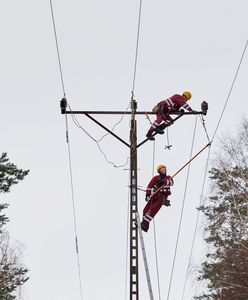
148	197
166	202
168	181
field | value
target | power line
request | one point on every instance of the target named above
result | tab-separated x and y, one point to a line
137	48
73	208
196	223
182	210
57	47
230	91
69	156
204	179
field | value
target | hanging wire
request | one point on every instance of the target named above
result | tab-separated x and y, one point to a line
230	91
112	129
196	223
76	122
69	156
57	48
182	210
154	231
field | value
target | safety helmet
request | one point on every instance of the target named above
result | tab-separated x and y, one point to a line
159	167
187	95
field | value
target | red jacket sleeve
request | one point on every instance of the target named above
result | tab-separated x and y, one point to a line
180	102
151	185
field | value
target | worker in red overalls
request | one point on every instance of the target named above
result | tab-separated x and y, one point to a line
163	108
161	198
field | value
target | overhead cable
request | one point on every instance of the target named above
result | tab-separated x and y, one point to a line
137	48
57	48
69	156
230	91
182	210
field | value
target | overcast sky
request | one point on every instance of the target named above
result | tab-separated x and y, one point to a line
184	45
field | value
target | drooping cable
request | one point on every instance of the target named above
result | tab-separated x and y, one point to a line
117	123
76	122
196	223
230	91
182	210
69	157
57	48
154	230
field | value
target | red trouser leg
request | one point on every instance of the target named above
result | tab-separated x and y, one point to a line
152	207
159	119
168	120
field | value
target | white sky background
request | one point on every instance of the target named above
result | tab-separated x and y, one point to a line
184	45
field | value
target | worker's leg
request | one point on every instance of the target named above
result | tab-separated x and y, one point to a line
149	212
155	124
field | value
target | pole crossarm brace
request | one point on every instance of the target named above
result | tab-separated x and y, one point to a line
109	131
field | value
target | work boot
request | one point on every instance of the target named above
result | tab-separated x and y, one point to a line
144	225
159	130
150	137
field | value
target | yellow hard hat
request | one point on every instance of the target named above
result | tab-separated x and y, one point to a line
187	95
160	167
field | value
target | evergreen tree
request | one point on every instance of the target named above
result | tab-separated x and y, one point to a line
226	210
12	272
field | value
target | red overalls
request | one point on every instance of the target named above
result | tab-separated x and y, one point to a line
156	202
166	106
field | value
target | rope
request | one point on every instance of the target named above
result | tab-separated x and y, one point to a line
230	91
57	48
196	223
69	156
182	209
